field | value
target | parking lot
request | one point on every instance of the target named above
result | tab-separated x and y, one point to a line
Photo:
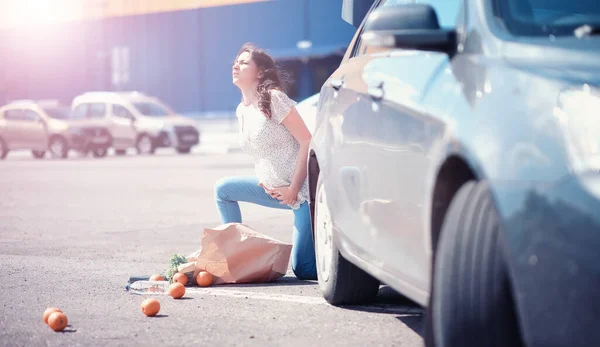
73	231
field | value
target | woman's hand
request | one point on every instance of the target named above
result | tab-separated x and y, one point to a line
285	195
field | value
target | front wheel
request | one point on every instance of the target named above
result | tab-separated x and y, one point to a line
58	147
100	152
145	145
341	282
471	302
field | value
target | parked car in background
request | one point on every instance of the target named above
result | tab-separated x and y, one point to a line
307	109
46	126
456	158
138	121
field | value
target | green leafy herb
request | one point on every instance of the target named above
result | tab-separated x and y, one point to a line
176	260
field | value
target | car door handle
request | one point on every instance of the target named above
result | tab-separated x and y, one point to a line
376	91
336	84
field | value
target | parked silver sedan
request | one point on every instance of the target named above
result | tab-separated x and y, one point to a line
455	158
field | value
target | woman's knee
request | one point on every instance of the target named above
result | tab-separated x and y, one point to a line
222	188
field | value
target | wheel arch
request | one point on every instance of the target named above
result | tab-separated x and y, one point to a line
453	173
313	176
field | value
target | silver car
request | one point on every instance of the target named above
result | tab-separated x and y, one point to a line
46	126
456	158
136	120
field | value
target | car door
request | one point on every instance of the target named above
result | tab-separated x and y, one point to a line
342	101
122	126
395	135
14	128
37	130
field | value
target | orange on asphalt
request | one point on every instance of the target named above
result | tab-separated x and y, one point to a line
58	321
48	312
150	307
204	279
180	278
176	290
157	277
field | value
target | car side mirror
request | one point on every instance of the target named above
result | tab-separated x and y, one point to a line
408	26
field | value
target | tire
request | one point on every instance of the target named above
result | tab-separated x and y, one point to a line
185	150
145	145
58	147
38	154
120	151
340	281
3	149
471	301
100	152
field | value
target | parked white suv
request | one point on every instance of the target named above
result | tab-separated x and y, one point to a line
139	121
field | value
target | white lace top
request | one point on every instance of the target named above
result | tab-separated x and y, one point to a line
274	148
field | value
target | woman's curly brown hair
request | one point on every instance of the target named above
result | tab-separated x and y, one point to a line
271	77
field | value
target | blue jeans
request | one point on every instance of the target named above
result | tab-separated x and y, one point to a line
230	190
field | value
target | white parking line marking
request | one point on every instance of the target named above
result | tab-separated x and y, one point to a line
310	300
299	299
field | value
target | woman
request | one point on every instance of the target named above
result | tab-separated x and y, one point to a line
272	132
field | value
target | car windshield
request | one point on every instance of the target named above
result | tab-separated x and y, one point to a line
548	17
58	112
151	109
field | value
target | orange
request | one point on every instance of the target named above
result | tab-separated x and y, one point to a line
204	279
48	312
176	290
157	277
150	307
181	278
58	321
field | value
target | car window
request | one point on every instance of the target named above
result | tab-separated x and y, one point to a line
31	116
14	115
58	112
360	47
547	17
97	110
121	112
151	109
447	12
80	111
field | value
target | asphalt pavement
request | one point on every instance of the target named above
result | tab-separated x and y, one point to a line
73	231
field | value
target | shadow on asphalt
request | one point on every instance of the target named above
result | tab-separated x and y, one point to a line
415	323
160	316
388	301
69	329
287	281
389	296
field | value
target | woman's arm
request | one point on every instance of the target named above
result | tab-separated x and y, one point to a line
295	124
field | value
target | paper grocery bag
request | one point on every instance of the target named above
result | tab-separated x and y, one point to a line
235	253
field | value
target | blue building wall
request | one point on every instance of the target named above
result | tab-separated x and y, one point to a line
182	57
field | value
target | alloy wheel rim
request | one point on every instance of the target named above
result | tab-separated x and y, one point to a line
57	148
145	145
323	235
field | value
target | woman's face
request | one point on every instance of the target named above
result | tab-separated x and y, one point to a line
245	72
